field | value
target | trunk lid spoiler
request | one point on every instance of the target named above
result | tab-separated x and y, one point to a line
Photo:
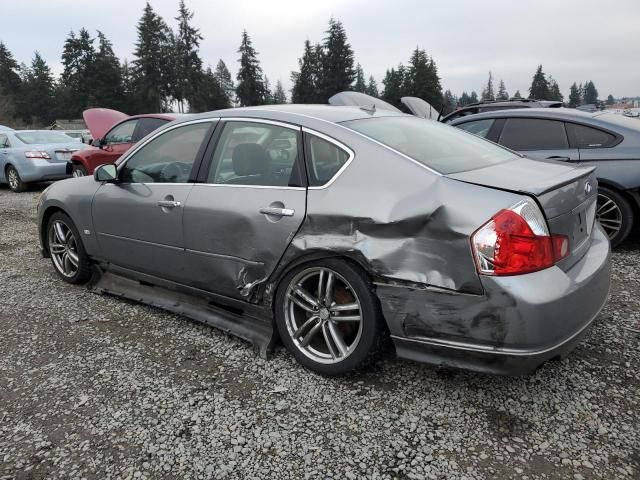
100	120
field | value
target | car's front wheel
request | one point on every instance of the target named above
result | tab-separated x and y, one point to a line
13	179
67	252
329	318
614	214
78	170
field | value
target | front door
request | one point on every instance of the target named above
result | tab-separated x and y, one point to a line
138	220
238	224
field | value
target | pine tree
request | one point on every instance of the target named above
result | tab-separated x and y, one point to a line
336	60
502	92
36	97
464	99
279	97
105	76
268	94
554	90
306	80
610	100
188	64
590	93
223	76
10	84
422	80
210	94
539	86
473	97
488	93
450	102
153	73
517	94
76	80
372	87
359	84
394	85
250	88
128	92
575	100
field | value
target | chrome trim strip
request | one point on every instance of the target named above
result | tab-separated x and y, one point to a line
135	240
290	126
436	342
338	144
230	185
226	257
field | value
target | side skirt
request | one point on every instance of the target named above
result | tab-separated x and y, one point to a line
196	304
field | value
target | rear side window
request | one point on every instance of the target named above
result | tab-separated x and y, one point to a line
533	134
326	159
479	127
582	136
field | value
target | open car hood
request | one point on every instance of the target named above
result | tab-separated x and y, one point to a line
357	99
420	108
100	120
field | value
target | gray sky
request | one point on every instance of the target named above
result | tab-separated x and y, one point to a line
574	40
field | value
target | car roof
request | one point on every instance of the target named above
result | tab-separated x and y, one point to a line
164	116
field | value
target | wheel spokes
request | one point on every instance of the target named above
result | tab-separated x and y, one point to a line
60	233
336	336
343	307
300	292
309	336
310	321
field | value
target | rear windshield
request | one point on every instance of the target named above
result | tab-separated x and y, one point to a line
620	120
43	137
443	148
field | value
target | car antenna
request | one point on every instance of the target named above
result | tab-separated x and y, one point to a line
371	110
440	113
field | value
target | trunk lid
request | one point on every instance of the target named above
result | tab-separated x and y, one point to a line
100	120
566	193
420	108
362	100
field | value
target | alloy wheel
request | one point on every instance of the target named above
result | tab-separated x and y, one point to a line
323	315
14	180
77	172
63	249
609	215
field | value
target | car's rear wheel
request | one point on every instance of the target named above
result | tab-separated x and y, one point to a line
614	214
329	317
67	252
78	170
13	179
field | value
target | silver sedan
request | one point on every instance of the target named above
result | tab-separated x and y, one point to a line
334	229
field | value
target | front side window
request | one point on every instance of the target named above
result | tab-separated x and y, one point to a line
250	153
586	137
167	158
533	134
146	126
439	147
326	159
122	133
479	127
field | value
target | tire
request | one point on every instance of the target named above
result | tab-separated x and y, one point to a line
312	332
13	179
68	256
615	215
78	170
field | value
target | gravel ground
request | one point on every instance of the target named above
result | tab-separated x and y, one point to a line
96	387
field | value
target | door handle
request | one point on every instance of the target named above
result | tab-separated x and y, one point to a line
168	203
558	157
280	212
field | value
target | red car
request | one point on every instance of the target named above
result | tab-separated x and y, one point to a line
113	134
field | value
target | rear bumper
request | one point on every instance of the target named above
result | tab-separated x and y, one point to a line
42	170
518	324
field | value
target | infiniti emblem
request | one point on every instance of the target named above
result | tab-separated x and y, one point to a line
587	188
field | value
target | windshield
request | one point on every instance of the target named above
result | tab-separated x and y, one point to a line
443	148
43	137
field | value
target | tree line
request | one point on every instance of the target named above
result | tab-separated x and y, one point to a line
167	73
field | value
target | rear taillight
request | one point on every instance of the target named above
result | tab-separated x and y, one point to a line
517	241
43	155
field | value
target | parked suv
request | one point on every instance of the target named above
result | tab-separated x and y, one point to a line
605	140
113	134
490	106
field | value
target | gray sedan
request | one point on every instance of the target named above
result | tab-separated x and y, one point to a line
334	229
605	140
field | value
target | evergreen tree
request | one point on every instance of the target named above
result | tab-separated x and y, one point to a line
372	87
336	60
502	92
610	100
268	94
210	95
488	93
539	86
10	83
590	93
250	88
517	94
188	65
473	97
225	81
575	98
128	89
464	99
554	90
105	76
153	72
306	81
422	80
394	85
360	84
279	97
76	80
36	97
450	102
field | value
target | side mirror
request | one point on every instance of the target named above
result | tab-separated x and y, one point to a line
106	173
97	142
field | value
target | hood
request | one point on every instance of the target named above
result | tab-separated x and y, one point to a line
420	108
100	120
357	99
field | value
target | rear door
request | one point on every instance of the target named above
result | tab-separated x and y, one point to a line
538	138
138	220
240	220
